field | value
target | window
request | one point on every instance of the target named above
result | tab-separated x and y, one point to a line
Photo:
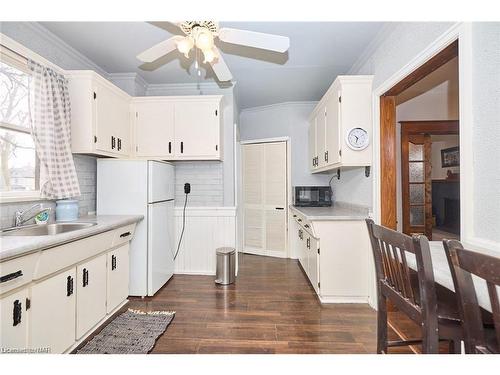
18	161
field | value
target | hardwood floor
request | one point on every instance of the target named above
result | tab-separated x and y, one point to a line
270	309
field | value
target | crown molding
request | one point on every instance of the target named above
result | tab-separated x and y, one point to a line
279	105
136	77
54	40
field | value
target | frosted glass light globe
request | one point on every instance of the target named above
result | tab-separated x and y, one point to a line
204	39
209	55
185	45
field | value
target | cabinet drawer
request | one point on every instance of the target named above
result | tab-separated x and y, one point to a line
17	272
123	235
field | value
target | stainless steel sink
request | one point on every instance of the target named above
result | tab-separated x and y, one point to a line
45	230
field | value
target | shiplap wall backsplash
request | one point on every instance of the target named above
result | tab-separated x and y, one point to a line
86	168
206	179
207	228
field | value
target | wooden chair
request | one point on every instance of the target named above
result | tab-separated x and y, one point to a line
412	293
479	336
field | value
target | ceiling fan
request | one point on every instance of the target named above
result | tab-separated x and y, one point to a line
202	34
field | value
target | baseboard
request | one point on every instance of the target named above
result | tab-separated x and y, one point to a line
200	273
94	330
343	299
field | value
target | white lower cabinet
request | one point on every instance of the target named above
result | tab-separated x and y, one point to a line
53	312
312	255
117	277
90	294
13	321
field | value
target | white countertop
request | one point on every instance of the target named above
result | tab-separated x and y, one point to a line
339	211
14	246
442	273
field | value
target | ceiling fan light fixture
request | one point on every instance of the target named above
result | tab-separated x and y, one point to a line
209	55
204	38
185	45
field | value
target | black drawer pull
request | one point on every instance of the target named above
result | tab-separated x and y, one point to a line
119	144
113	142
182	147
169	147
11	276
306	226
113	262
294	215
69	286
279	208
126	234
299	220
85	280
17	312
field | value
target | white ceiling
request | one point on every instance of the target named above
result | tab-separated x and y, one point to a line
319	51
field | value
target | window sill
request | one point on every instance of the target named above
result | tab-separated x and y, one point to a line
32	196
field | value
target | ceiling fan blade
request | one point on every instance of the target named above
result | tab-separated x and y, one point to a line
220	68
160	49
254	39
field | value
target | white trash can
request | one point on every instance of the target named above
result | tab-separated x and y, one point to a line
226	265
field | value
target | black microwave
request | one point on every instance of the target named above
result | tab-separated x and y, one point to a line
313	196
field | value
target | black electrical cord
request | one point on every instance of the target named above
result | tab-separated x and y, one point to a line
183	226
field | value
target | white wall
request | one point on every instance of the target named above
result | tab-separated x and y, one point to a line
284	120
396	46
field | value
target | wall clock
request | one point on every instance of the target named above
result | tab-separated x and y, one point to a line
357	139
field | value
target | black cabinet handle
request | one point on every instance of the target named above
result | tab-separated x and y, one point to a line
85	277
294	215
308	243
11	276
326	156
17	312
299	220
113	142
119	144
279	208
126	234
113	262
182	147
306	226
69	286
169	147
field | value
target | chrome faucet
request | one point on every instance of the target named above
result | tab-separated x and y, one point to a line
20	219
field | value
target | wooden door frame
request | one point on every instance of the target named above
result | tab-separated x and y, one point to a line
288	142
388	162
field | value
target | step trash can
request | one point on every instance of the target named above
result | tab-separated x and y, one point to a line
226	265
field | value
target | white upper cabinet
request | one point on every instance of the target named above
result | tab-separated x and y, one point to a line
154	127
346	109
100	115
197	129
178	127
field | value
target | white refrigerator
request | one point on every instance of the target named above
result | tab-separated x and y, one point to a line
142	187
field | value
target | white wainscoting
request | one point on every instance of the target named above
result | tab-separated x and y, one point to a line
207	228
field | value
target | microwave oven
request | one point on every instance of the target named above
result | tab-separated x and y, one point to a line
313	196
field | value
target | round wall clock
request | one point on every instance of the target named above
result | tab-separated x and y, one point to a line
357	139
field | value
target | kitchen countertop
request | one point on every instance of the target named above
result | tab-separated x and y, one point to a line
14	246
339	211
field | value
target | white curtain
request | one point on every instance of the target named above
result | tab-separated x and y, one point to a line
51	128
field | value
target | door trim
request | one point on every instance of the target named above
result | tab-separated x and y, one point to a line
241	213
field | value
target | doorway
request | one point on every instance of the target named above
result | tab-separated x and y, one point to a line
265	198
390	146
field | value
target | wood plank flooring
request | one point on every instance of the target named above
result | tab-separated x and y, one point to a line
270	309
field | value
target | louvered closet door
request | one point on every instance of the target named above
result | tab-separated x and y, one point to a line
265	198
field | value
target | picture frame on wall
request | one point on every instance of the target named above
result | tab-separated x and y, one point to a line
450	157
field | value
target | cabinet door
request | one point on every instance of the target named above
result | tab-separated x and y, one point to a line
13	321
332	129
197	130
90	294
118	272
112	120
53	309
301	237
312	254
312	144
320	138
154	129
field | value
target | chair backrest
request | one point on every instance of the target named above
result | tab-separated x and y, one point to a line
463	264
393	272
